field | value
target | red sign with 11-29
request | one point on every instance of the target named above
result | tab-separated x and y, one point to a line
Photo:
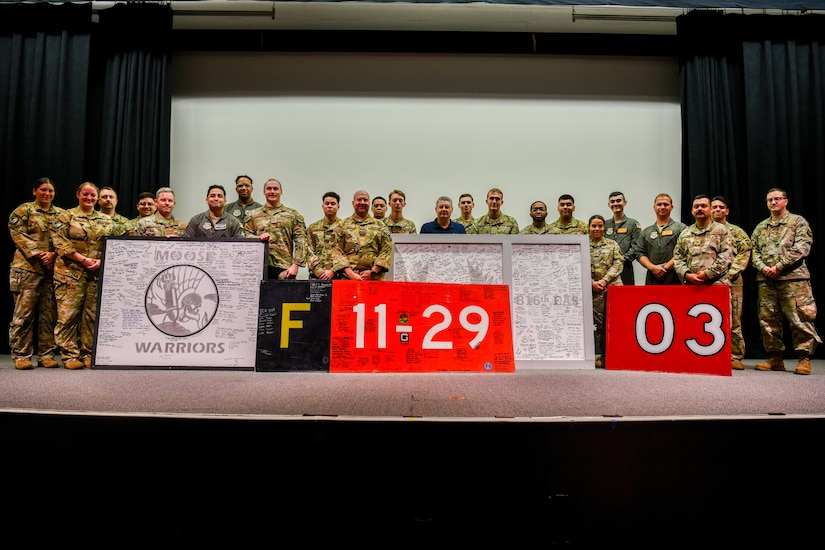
420	327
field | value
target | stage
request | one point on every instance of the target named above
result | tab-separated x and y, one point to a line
580	458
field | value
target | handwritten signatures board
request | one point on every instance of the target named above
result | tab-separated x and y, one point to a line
178	303
293	326
548	277
420	327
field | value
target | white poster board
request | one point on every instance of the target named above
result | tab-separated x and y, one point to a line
549	279
178	303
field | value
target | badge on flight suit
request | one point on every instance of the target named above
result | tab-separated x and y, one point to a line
653	234
236	213
609	230
13	220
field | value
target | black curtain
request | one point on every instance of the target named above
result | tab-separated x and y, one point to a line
753	117
44	73
136	98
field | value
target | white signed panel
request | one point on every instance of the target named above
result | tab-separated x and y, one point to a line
178	303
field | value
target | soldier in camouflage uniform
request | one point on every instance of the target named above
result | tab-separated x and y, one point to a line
321	239
363	245
567	224
108	203
396	222
704	250
78	237
379	208
780	245
283	228
606	263
146	207
719	211
538	213
31	278
162	223
494	222
465	206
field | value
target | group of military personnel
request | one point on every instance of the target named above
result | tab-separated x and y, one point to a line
713	251
55	266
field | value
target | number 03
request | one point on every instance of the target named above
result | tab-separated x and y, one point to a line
712	327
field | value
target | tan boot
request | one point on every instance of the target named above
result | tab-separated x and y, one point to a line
73	364
87	361
23	364
47	362
774	362
736	364
804	366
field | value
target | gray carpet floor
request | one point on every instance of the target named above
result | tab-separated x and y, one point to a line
529	395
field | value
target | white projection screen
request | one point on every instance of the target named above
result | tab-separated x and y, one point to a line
430	125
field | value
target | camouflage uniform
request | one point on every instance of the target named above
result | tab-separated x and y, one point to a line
708	249
31	284
533	230
240	211
75	288
287	234
465	223
157	226
362	244
320	247
742	249
606	262
786	243
575	227
123	224
485	225
402	226
658	244
625	232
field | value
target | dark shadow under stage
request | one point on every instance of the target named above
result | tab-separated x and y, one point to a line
577	458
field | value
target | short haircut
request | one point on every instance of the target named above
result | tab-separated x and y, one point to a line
274	180
701	196
721	198
495	190
216	186
332	194
615	194
397	192
164	190
660	195
379	197
243	176
107	188
537	202
465	195
445	199
146	195
566	197
777	189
